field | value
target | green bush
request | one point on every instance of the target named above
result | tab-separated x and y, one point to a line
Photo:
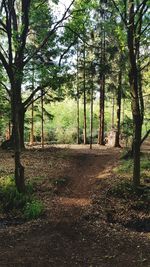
33	209
13	201
66	136
126	166
9	196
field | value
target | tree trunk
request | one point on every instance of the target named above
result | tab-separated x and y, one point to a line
84	99
78	101
16	115
113	112
117	138
21	117
123	109
42	120
32	114
91	119
101	140
32	125
133	80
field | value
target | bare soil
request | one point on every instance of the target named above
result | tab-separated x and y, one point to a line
83	224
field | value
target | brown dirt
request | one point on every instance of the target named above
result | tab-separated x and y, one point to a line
82	225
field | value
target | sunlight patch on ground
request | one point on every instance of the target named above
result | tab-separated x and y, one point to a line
81	202
104	174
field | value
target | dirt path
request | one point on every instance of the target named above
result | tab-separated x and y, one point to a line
86	167
73	232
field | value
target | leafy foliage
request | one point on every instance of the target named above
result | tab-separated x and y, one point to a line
23	205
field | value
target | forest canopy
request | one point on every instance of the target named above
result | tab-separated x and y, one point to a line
74	76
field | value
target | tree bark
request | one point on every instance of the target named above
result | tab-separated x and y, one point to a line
16	111
133	80
91	119
113	112
84	99
101	140
42	120
32	114
78	100
32	125
117	137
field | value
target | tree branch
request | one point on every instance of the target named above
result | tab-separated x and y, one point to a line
38	97
66	51
145	136
121	15
8	91
27	101
50	33
5	64
145	28
25	25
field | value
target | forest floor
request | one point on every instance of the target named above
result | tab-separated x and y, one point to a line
83	223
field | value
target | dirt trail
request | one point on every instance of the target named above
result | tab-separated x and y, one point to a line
86	167
66	236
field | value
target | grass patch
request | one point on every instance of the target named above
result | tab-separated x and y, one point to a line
126	167
33	209
19	204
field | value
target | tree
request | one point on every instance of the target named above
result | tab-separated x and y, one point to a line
134	17
16	32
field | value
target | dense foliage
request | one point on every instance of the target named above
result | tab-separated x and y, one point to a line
94	56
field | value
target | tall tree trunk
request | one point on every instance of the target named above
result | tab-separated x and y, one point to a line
32	114
84	98
91	117
21	118
119	89
16	111
133	79
9	128
113	112
101	140
32	125
123	109
42	119
78	100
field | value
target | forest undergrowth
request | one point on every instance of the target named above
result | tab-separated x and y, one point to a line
90	214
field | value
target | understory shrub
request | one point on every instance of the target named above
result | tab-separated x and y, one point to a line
13	201
33	209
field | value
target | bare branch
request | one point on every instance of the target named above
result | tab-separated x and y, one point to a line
6	88
25	24
6	56
5	64
65	52
30	98
3	24
145	66
142	12
8	30
35	99
144	2
148	25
